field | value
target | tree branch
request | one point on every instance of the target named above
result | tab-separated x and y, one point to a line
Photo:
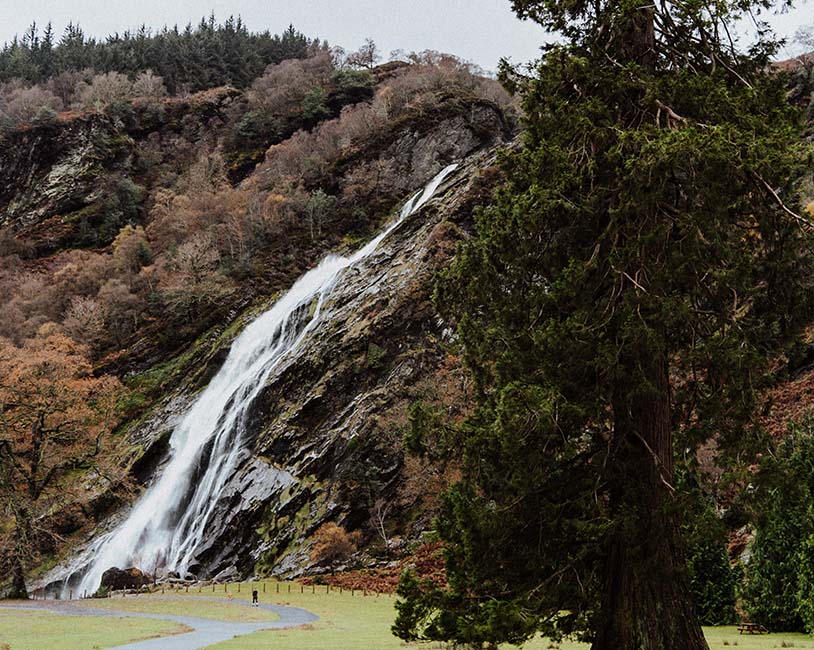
806	223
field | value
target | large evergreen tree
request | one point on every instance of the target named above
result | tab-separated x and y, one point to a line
622	299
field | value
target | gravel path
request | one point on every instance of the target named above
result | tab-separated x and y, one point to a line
205	632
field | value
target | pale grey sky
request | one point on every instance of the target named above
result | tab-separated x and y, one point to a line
477	30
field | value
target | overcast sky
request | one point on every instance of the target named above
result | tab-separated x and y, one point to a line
477	30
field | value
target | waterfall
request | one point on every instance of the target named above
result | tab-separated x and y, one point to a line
168	522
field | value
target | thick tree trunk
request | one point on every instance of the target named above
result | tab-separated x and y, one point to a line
640	36
22	529
18	588
647	603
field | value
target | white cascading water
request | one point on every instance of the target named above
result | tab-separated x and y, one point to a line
169	521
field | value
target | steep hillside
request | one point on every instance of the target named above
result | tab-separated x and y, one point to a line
324	436
141	232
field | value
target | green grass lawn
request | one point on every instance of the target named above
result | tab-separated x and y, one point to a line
363	623
717	637
348	622
728	637
33	630
180	606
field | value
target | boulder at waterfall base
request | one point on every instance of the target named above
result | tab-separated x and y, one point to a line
115	579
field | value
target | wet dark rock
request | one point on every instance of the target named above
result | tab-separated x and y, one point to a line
115	579
196	570
317	420
229	574
50	170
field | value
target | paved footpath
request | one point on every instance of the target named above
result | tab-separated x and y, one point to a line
205	632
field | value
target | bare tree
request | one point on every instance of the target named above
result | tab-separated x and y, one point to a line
379	512
366	56
20	104
103	89
149	86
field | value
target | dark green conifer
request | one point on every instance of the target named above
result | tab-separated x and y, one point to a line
621	300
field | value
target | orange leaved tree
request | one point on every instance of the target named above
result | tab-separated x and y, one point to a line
332	544
54	414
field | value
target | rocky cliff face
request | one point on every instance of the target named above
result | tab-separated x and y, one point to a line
325	438
63	184
325	435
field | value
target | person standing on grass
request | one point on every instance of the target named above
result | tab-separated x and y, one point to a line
254	598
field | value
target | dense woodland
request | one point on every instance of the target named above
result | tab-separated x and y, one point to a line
647	252
208	55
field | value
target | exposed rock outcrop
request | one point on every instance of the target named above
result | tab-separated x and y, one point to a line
324	439
325	433
57	179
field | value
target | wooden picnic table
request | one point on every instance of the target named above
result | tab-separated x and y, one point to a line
752	628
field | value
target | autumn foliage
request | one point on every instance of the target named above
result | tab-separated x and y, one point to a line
331	544
177	237
54	419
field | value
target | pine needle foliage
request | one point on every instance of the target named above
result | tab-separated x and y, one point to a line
622	298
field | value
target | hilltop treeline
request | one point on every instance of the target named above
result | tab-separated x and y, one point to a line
191	59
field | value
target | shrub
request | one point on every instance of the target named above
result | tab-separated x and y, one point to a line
255	127
805	581
130	249
332	544
352	86
779	580
102	90
45	115
314	107
771	589
713	579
